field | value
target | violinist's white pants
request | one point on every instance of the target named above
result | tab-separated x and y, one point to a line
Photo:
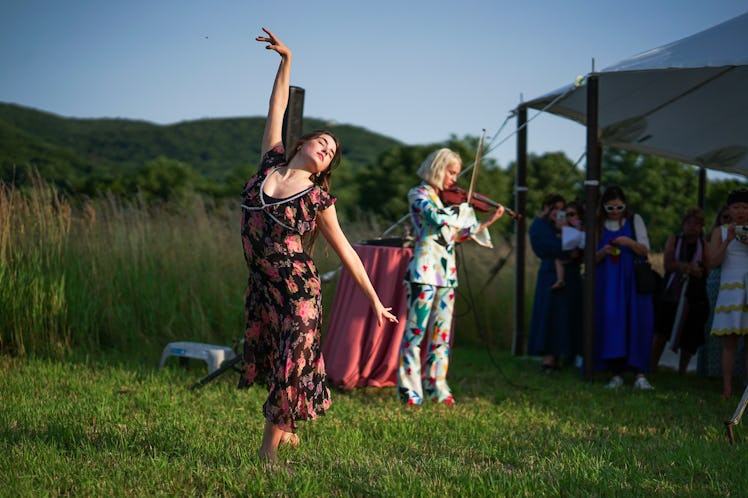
429	312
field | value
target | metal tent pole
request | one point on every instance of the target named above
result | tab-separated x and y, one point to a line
592	192
520	231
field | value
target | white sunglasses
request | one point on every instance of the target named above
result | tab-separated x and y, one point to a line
610	209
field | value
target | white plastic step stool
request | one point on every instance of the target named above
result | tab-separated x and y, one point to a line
209	353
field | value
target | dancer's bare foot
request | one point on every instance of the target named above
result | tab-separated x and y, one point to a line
290	438
271	439
726	393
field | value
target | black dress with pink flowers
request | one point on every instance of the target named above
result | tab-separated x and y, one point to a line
283	301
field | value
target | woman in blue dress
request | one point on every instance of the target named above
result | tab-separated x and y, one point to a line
624	319
556	313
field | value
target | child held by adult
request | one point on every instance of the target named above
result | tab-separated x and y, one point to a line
556	313
570	217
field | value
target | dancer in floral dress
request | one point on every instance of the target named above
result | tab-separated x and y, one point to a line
284	206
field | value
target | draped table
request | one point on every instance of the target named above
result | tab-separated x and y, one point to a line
357	351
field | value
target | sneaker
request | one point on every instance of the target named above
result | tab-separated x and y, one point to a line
615	382
643	384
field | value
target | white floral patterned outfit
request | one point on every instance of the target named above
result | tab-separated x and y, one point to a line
431	278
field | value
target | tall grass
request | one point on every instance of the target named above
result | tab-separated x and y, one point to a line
150	276
34	231
130	277
484	310
115	275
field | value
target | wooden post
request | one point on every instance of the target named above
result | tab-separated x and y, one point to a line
293	118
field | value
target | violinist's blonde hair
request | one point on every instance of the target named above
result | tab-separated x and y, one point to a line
432	168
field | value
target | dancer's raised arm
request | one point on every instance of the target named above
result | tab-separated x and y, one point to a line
273	134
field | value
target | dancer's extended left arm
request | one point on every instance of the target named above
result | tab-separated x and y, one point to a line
330	228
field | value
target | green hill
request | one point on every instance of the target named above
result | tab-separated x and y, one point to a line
71	151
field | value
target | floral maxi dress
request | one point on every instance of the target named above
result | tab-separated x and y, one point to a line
283	300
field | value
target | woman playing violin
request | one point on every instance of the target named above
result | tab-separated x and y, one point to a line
432	276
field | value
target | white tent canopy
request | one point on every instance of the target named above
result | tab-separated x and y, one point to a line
686	101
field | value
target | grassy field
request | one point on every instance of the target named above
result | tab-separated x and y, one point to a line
90	294
103	427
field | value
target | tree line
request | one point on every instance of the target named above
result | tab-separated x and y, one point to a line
214	157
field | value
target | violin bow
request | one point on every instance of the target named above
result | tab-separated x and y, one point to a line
478	154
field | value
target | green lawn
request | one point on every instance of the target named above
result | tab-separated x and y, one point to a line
120	427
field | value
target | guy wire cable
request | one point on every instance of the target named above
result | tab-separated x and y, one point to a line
468	168
489	148
495	269
478	325
579	81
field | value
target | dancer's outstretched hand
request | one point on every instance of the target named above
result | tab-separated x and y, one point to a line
384	313
273	43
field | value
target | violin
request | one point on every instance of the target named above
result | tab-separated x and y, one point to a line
479	202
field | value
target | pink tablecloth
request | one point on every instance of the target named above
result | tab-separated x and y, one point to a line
357	351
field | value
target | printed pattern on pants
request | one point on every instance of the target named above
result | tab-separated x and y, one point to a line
425	303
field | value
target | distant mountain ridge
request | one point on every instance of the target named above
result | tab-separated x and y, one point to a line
213	147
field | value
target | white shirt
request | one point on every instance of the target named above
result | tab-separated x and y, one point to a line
639	228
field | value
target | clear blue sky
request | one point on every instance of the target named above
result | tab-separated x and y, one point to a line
417	71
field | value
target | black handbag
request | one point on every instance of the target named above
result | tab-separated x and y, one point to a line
644	274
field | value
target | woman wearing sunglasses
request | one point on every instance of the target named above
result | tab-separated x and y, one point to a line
624	319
